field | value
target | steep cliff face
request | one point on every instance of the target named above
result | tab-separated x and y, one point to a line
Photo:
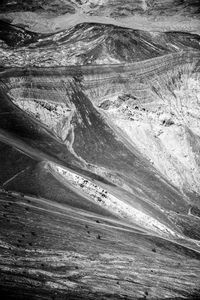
154	103
165	127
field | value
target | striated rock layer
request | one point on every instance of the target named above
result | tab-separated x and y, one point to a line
159	114
99	174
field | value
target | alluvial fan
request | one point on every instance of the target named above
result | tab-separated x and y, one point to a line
99	155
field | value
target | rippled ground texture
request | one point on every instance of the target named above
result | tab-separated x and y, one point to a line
99	154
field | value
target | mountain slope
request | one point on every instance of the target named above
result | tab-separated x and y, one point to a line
89	144
92	43
99	155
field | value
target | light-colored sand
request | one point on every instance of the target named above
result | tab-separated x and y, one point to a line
117	206
45	24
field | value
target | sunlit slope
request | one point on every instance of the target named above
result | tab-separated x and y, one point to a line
148	103
88	145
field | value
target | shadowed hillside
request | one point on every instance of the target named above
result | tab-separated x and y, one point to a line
91	43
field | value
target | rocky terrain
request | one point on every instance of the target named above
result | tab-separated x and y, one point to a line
99	153
91	43
98	7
